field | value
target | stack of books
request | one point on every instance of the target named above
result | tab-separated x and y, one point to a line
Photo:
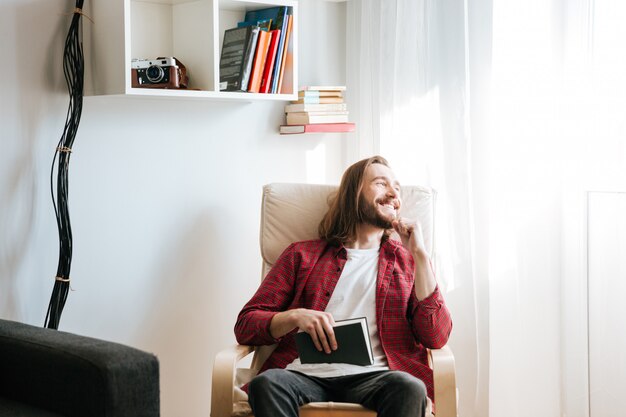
318	109
254	53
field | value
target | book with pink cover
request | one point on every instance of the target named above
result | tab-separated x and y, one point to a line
318	128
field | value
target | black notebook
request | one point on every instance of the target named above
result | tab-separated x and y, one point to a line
353	345
236	60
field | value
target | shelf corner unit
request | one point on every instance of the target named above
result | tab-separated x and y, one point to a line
190	30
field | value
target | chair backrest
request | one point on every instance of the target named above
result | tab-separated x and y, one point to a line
292	212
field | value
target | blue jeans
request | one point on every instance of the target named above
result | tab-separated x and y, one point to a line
279	393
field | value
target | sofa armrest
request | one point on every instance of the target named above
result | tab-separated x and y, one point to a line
223	382
75	375
442	361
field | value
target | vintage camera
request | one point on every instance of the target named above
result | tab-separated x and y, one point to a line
163	72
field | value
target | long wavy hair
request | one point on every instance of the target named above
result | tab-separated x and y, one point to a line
339	224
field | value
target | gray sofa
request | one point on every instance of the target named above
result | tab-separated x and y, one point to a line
49	373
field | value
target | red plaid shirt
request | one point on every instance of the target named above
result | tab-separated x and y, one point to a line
305	276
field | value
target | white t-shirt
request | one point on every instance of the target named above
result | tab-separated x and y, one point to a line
354	296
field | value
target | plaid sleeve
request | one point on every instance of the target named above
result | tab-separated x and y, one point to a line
431	322
273	296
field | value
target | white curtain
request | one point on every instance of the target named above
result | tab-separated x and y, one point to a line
548	98
524	178
407	78
558	130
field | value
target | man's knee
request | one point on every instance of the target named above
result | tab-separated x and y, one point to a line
273	393
406	385
266	381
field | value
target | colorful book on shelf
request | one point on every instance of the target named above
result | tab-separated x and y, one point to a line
353	345
318	113
318	128
308	119
278	15
287	78
318	100
279	52
236	58
258	64
264	24
287	50
249	58
318	93
323	88
316	107
266	78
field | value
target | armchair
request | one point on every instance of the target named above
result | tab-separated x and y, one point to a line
292	212
50	373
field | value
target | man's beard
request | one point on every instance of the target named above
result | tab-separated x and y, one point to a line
370	215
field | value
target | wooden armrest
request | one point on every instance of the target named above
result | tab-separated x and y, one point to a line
223	381
445	381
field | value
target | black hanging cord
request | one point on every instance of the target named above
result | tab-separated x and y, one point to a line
73	68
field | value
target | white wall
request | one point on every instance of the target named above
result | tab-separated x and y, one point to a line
164	198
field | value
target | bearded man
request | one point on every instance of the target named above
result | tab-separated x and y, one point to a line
352	270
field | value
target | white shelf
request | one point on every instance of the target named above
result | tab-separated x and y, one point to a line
190	30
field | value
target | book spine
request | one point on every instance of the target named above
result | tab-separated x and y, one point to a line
330	127
323	88
232	57
258	65
318	128
305	118
283	21
319	113
318	100
316	107
269	63
286	50
248	58
320	94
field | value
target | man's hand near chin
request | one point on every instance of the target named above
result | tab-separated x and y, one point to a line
413	240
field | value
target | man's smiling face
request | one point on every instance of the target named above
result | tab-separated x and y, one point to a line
380	199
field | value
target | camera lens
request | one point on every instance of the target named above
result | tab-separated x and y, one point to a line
154	74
